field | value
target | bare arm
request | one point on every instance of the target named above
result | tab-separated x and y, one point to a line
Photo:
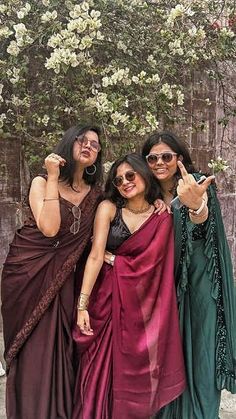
44	198
104	215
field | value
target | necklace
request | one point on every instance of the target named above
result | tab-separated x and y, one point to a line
138	211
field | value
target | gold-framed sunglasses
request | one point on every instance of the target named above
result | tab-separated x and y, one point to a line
129	175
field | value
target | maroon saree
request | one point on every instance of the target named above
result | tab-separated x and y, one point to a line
133	364
37	310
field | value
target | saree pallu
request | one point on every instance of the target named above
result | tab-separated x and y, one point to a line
37	310
133	364
207	312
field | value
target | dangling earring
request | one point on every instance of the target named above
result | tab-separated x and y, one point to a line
89	172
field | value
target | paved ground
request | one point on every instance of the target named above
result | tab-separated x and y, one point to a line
227	411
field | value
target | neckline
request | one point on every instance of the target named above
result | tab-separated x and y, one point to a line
71	203
139	226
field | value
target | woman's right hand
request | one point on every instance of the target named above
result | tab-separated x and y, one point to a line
52	164
109	258
83	322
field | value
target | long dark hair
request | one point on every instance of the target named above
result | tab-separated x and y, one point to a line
174	143
152	189
65	150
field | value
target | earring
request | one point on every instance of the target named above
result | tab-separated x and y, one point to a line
91	173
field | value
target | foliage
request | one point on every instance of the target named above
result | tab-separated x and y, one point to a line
125	63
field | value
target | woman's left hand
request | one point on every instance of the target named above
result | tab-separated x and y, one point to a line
161	207
189	191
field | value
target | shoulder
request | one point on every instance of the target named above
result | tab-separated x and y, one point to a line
39	180
107	207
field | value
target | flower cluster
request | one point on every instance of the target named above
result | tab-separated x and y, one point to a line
127	63
218	165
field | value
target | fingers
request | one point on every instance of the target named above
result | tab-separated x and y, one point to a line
208	181
182	169
55	158
83	322
109	258
160	206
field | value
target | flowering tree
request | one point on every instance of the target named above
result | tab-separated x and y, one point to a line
126	63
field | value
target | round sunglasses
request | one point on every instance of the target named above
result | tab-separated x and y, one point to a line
166	157
83	140
129	175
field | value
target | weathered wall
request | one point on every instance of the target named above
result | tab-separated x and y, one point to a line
215	140
13	183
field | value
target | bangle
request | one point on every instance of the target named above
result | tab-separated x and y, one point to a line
199	210
50	199
83	302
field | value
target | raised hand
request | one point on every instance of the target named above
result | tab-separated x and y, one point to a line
189	191
52	164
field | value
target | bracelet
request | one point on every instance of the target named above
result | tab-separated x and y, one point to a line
83	302
50	199
199	210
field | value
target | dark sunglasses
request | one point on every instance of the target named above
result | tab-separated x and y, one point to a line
83	140
130	176
166	157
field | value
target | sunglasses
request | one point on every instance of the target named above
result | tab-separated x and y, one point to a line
129	175
74	228
166	157
83	140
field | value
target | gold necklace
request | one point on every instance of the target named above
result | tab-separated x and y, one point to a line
138	211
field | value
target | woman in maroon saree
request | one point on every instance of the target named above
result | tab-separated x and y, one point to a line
131	360
38	279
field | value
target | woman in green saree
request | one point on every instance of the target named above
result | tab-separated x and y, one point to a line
204	280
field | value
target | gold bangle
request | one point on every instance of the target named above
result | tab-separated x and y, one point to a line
83	302
50	199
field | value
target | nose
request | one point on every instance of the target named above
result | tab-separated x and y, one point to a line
159	160
87	144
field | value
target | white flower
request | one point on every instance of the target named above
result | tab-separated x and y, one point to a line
180	97
105	81
135	79
46	2
86	42
45	120
5	32
121	46
107	166
227	33
152	121
99	36
13	49
2	119
49	16
218	165
167	90
118	117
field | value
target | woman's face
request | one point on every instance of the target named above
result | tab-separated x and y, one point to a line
162	170
86	148
132	182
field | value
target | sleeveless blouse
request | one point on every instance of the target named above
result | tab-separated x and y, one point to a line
118	232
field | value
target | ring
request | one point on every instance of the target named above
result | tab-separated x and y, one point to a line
112	259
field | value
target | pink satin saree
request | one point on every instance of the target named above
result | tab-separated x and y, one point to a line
133	364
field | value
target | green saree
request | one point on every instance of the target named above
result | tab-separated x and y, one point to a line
207	312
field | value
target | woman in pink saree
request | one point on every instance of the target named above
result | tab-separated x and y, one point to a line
131	361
